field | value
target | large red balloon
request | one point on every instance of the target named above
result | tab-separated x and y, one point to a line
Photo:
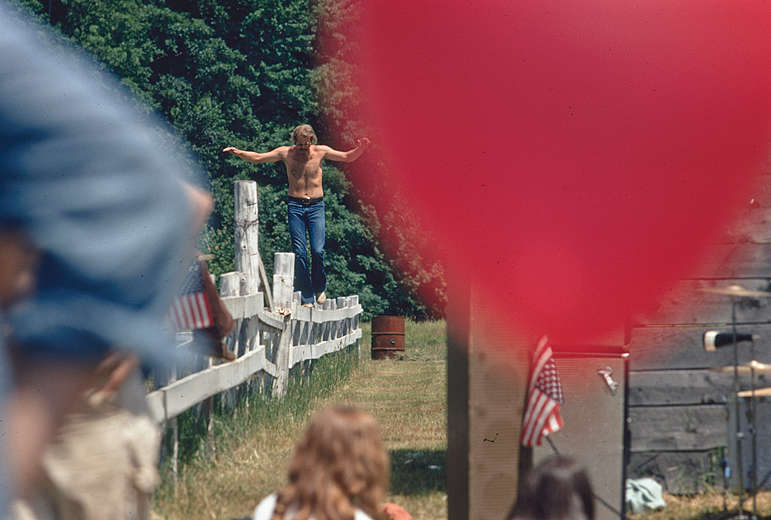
574	156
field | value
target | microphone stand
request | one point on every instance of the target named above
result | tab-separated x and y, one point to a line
754	433
737	411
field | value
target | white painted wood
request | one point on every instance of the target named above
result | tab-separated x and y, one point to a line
173	399
236	305
334	325
333	345
315	331
255	304
298	354
355	317
324	315
281	382
174	449
304	313
191	390
264	281
271	320
251	306
318	350
347	320
230	284
174	431
283	282
271	369
246	239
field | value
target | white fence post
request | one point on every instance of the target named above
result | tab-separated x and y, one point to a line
277	325
231	285
247	234
174	434
283	282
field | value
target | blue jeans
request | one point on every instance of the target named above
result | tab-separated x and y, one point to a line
308	217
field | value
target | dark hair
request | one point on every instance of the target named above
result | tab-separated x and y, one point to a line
556	489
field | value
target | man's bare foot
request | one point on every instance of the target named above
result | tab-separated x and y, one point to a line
321	298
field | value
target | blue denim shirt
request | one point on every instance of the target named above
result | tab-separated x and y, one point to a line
83	175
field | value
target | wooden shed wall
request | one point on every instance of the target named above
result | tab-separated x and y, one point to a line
677	405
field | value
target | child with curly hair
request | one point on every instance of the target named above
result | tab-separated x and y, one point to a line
339	471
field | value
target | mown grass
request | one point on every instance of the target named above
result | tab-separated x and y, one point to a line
407	397
252	450
707	506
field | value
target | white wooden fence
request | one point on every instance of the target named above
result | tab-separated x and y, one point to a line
273	331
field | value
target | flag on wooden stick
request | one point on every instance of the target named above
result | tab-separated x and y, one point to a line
544	397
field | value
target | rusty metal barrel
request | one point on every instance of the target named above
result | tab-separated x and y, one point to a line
387	337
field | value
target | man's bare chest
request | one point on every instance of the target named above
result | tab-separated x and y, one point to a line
298	167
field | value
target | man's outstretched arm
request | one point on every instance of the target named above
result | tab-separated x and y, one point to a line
349	156
274	155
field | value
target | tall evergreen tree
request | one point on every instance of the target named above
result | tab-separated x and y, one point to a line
244	74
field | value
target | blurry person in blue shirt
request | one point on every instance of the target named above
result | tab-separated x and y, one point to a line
92	208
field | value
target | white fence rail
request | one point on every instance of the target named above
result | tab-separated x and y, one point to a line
268	340
266	343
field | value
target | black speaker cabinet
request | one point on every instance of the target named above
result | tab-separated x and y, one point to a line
595	387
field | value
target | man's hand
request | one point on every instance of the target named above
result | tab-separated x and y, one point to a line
362	143
230	149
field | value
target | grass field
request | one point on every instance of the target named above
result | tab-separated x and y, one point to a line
408	399
707	506
406	396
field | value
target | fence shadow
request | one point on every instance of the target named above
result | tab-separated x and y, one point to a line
418	471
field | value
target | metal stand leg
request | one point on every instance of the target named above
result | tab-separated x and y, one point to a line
737	417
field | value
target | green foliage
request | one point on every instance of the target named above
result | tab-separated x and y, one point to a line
244	74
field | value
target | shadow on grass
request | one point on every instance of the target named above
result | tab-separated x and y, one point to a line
727	515
415	472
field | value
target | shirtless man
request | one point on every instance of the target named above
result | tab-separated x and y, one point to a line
305	204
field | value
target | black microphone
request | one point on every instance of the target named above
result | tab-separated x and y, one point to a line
714	339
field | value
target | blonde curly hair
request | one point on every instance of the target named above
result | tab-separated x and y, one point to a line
339	465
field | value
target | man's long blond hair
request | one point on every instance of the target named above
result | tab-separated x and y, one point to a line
304	131
339	465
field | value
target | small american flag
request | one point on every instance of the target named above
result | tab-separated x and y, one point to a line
191	309
544	397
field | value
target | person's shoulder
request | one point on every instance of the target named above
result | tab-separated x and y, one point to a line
264	509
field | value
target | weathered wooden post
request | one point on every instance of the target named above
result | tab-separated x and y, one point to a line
340	324
247	234
248	259
283	282
174	432
487	368
230	285
355	322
